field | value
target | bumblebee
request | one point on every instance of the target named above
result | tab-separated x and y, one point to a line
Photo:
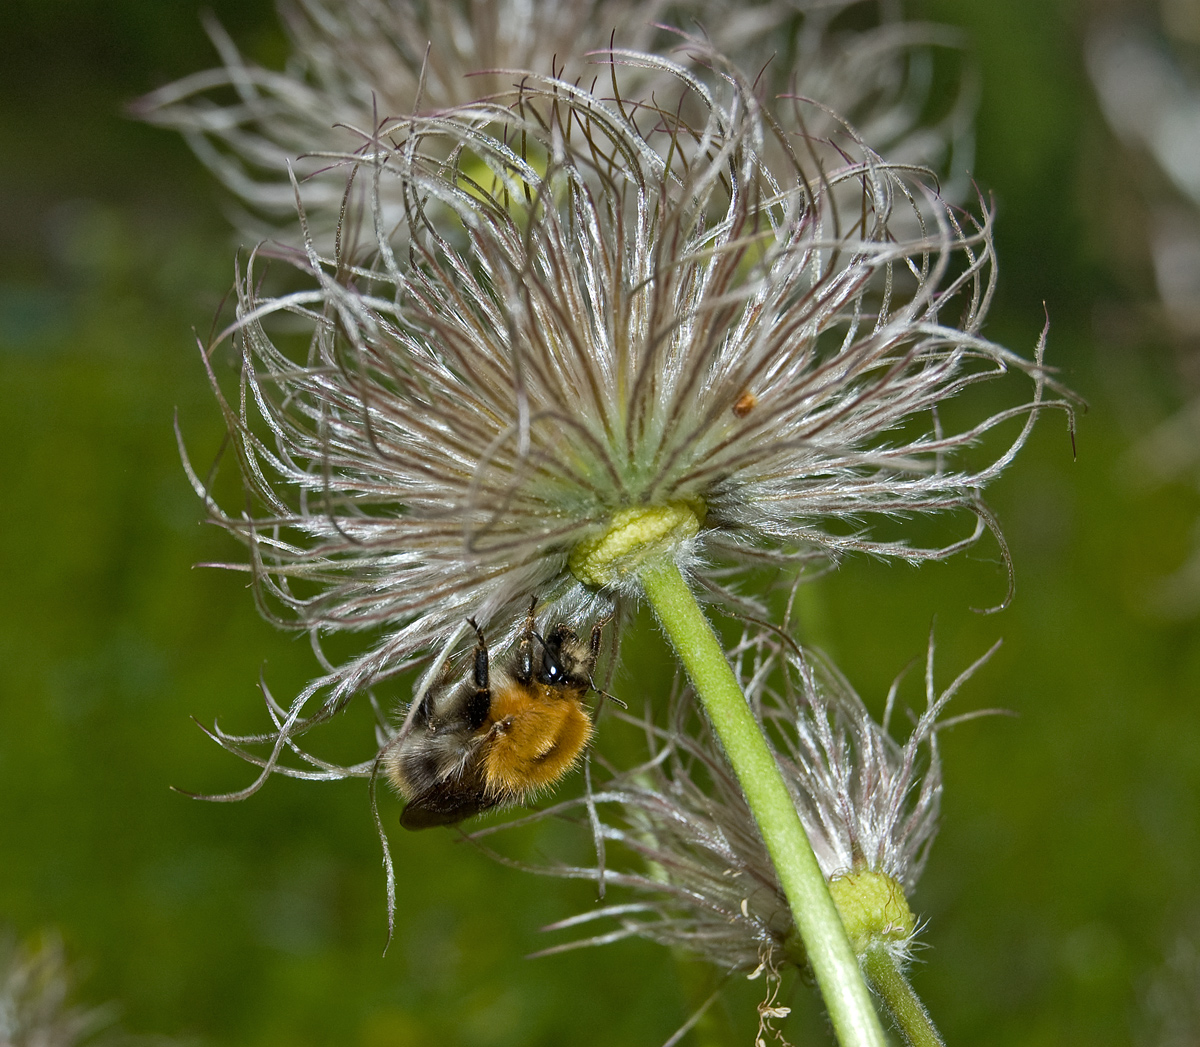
501	735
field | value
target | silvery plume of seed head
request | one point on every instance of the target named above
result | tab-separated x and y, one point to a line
36	1006
1150	93
676	838
1168	1011
597	306
358	64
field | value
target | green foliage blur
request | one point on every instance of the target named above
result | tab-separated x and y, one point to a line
1071	832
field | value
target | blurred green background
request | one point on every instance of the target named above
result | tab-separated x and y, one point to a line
1070	844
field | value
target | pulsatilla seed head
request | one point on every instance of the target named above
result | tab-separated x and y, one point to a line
676	838
592	313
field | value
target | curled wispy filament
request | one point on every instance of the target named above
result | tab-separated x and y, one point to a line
586	302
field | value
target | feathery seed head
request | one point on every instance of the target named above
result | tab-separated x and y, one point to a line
36	1009
677	833
1148	89
599	316
356	65
1168	1014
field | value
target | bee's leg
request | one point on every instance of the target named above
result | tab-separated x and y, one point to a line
594	653
480	700
523	670
594	656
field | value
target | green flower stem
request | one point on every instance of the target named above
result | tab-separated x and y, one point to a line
830	955
911	1017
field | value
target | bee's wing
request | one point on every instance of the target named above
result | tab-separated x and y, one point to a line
432	681
439	676
446	803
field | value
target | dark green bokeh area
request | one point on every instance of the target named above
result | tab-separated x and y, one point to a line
1071	833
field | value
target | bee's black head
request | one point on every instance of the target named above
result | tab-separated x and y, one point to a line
564	661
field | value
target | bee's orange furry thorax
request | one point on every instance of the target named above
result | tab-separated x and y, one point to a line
537	735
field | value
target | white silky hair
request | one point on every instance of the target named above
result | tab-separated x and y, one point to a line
676	840
564	319
356	65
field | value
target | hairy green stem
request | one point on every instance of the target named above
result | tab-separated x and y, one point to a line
905	1007
830	955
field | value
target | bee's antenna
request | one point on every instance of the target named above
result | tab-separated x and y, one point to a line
605	694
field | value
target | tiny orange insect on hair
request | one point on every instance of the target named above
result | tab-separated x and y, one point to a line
500	736
745	404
